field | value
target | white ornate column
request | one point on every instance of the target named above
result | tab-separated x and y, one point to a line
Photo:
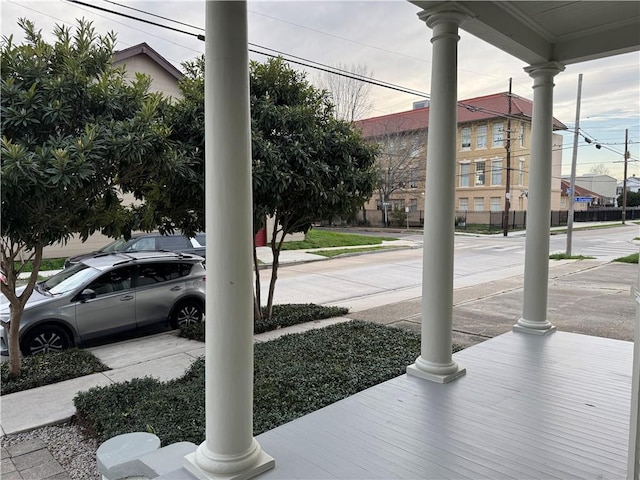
435	361
536	265
229	450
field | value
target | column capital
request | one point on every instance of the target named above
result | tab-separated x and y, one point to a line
437	17
544	69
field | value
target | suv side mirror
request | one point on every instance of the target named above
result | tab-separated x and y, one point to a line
87	294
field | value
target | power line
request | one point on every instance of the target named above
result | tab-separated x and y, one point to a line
305	62
295	59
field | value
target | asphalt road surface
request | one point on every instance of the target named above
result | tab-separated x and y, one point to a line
366	281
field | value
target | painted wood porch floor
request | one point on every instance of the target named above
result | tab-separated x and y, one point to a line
528	407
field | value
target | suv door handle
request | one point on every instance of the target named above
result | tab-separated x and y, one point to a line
126	297
176	288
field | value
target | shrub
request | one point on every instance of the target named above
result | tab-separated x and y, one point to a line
283	316
47	368
294	375
293	314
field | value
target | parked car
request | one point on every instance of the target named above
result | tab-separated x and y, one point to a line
106	294
141	242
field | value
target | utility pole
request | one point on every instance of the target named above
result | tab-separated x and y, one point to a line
507	194
624	180
574	160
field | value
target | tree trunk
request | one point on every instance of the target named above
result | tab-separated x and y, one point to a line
14	342
276	247
16	309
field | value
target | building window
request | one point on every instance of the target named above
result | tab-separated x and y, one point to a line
466	138
398	204
521	172
480	166
498	135
478	204
481	136
522	134
496	172
496	204
463	204
413	205
563	202
414	177
465	170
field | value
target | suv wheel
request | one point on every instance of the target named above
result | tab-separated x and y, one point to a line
189	312
45	339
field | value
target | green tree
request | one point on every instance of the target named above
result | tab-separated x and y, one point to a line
633	199
307	165
74	133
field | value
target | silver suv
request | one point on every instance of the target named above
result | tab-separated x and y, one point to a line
106	294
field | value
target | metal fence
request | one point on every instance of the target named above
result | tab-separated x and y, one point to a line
494	220
486	220
604	214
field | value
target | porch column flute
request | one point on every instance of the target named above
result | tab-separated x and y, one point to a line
229	449
435	361
536	264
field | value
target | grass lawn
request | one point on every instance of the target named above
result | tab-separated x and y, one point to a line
323	239
633	258
294	375
342	251
47	264
564	256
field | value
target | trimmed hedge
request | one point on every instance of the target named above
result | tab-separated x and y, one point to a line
284	315
294	375
48	368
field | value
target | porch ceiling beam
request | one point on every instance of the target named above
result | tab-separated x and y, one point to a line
561	31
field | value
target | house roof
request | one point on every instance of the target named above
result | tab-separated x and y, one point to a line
565	186
471	110
144	49
630	180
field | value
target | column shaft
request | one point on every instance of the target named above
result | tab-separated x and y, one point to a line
435	362
229	449
536	269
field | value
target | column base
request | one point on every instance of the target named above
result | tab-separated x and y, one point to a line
534	328
435	373
226	470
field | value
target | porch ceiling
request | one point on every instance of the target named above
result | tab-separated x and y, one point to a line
541	31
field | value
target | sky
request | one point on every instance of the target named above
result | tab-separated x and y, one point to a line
389	40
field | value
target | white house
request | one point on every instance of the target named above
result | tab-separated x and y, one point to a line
633	185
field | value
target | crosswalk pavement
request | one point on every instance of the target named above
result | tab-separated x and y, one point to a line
597	247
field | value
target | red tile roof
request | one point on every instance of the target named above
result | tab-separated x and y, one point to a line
471	110
580	191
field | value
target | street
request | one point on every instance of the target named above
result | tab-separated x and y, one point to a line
365	281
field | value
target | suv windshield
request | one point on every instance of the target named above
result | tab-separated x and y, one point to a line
115	246
69	279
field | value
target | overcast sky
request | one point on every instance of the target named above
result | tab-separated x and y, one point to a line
394	45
